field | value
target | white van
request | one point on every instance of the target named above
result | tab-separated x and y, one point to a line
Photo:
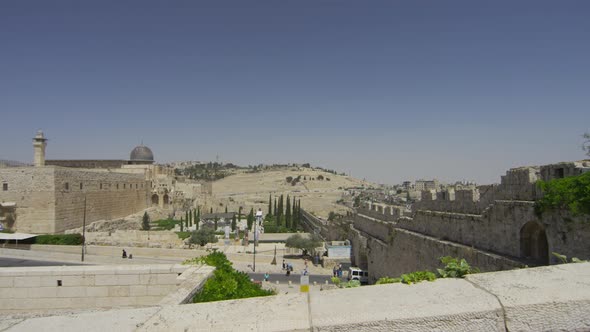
354	273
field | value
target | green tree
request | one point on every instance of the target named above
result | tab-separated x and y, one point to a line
571	193
233	223
211	211
276	211
250	218
288	213
195	220
198	219
181	225
269	205
190	218
306	244
145	222
215	221
203	236
226	209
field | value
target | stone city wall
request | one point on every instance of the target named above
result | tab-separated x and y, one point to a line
33	191
108	195
76	287
386	250
135	238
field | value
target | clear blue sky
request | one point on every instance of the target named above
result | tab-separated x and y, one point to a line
386	90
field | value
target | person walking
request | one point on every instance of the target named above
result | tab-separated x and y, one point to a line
124	255
266	276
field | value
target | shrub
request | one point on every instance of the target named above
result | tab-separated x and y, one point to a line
352	284
455	268
418	276
166	224
60	239
387	280
336	281
203	236
226	283
183	235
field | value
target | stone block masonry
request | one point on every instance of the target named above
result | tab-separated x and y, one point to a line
533	299
75	287
51	199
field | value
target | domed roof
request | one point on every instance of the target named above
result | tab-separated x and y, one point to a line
141	153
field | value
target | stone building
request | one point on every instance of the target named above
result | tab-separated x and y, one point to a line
50	197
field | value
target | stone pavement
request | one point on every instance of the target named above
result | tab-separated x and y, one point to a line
535	299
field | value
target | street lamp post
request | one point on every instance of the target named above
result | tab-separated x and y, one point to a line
84	230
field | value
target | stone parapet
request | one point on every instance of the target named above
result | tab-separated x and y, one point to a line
532	299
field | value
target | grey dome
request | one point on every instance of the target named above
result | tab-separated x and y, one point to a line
141	153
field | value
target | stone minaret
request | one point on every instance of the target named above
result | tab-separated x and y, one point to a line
39	144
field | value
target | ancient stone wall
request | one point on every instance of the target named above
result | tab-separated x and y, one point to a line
386	250
108	195
32	189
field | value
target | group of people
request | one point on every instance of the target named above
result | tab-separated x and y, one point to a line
337	271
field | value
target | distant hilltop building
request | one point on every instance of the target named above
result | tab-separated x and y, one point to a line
426	185
55	195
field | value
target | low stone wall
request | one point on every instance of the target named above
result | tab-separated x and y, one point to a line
532	299
75	287
135	238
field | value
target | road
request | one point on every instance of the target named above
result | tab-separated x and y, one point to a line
282	278
18	262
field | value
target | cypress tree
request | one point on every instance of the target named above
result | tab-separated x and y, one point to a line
186	218
269	205
276	211
211	210
226	209
198	218
195	220
181	225
215	221
288	213
250	218
233	223
190	218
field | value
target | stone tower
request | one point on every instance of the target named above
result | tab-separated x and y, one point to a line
39	144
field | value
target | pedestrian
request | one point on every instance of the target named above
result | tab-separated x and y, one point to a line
124	255
284	264
340	270
335	271
266	276
130	256
288	272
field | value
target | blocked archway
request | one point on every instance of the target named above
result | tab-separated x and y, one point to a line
533	243
155	200
166	200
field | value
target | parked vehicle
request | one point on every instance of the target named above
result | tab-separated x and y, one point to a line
354	273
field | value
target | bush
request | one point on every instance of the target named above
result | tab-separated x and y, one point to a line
455	268
183	235
166	224
418	276
60	239
226	283
203	236
387	280
336	281
352	284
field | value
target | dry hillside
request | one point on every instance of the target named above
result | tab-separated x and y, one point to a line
253	189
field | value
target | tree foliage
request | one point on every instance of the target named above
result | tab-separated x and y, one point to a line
145	221
571	193
203	236
455	268
307	244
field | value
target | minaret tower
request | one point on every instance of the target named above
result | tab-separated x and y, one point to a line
39	144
